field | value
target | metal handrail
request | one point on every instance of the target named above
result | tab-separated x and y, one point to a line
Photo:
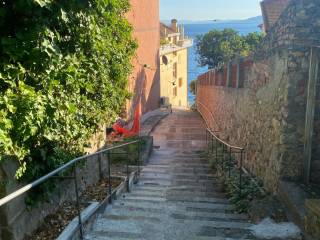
41	180
37	182
229	149
205	107
223	142
226	145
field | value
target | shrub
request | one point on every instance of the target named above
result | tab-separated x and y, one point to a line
64	67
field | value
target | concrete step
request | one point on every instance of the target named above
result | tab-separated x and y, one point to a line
178	178
185	193
171	165
173	197
158	218
178	175
177	183
201	171
159	202
196	192
115	236
141	227
179	196
196	189
143	198
173	169
144	212
151	189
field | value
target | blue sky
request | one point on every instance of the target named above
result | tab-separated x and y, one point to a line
209	9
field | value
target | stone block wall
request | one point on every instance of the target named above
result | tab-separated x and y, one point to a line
265	110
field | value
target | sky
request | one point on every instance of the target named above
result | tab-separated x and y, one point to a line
209	9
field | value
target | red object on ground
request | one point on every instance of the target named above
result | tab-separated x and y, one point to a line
135	129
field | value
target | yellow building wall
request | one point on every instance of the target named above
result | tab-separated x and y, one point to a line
180	82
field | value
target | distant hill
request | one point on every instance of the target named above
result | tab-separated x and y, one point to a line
258	20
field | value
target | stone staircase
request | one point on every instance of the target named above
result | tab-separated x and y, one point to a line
177	196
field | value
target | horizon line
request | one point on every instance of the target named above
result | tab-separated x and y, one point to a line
198	20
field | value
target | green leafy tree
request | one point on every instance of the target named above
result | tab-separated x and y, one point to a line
192	87
64	67
218	47
253	40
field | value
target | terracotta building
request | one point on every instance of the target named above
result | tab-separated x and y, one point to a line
271	11
145	79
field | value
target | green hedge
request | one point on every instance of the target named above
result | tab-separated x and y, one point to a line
64	67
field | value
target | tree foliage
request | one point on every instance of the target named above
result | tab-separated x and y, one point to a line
216	47
64	67
192	87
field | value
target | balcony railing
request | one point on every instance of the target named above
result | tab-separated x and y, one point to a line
168	48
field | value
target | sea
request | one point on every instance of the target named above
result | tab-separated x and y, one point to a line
193	29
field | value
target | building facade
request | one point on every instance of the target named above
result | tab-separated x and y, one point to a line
174	64
144	82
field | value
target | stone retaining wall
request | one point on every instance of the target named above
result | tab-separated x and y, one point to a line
263	108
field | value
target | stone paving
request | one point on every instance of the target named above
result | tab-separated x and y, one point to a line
177	196
150	120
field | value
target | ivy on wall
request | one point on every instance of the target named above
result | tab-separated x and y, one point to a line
64	67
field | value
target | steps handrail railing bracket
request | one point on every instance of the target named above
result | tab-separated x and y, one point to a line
214	136
229	149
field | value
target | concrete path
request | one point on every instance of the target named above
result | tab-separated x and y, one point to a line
177	197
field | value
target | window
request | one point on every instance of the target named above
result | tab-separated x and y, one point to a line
165	60
175	40
175	53
174	73
180	82
175	91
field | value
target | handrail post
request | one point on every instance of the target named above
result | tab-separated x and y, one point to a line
128	180
139	157
230	156
211	144
207	138
109	177
77	200
128	175
217	145
222	157
240	173
100	165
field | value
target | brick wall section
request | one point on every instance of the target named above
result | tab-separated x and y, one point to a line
145	81
266	114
